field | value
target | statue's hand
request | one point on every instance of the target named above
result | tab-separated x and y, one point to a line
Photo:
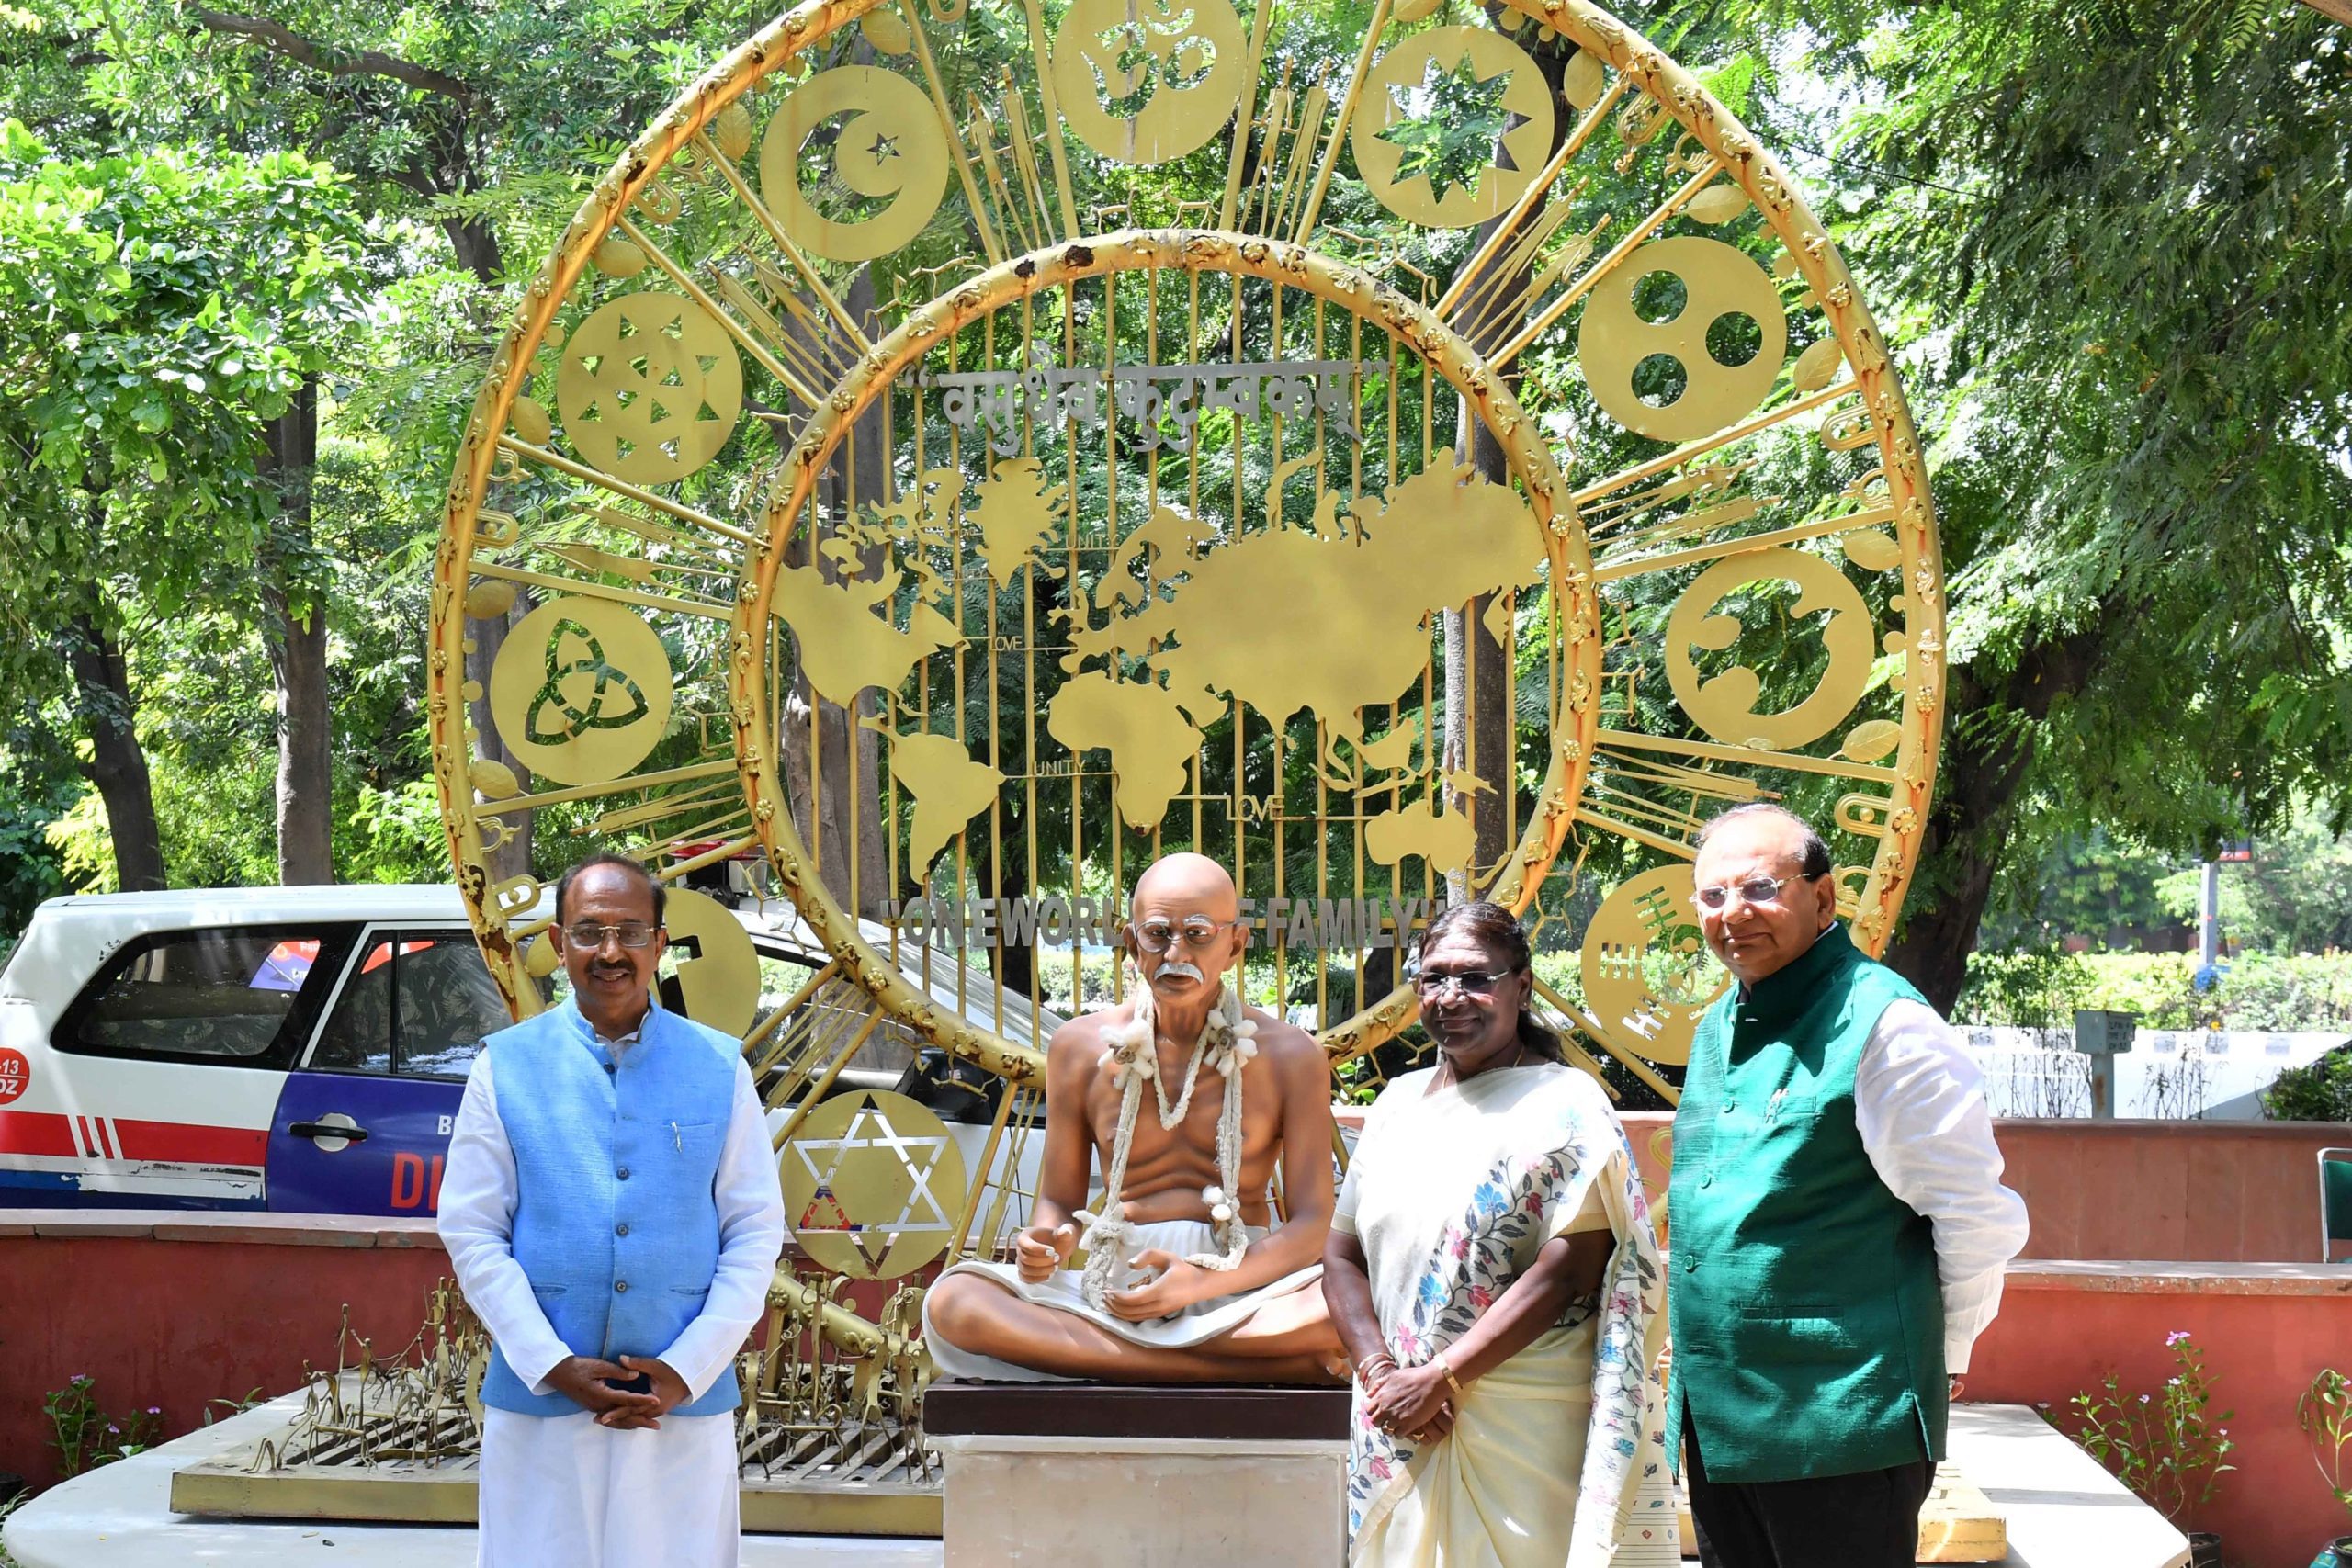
1175	1285
1039	1250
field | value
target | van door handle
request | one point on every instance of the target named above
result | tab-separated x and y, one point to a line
328	1130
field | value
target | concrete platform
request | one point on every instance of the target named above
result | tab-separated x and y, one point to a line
2063	1511
120	1517
1244	1477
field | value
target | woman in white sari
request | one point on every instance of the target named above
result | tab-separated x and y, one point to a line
1493	1275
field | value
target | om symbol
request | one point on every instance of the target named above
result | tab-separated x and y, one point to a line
889	147
1144	80
1725	705
1617	339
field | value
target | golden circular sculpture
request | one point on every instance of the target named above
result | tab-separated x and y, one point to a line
1004	515
1484	55
1175	67
873	1184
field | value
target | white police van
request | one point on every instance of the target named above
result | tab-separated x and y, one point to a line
294	1049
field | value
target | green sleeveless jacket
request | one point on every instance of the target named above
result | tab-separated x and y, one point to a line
1807	1316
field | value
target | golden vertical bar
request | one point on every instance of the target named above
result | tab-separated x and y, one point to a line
1038	54
1577	137
1592	275
1025	157
1243	114
1340	121
989	242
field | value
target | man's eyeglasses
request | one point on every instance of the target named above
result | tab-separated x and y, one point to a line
1432	984
1755	890
629	933
1158	936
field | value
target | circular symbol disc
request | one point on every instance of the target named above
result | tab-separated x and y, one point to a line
873	1185
1647	973
1144	80
581	690
651	388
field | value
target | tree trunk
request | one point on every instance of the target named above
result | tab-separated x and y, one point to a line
117	765
839	819
297	653
1481	731
1990	731
512	857
476	243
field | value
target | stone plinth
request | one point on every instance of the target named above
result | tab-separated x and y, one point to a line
1056	1476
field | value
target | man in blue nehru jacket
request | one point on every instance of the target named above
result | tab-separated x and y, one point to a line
1839	1225
612	1210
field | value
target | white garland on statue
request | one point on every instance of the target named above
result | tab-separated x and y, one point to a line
1228	1042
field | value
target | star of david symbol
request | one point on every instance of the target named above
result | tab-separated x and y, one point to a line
868	1155
611	684
1447	125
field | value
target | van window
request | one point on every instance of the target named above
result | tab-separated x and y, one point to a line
419	1004
240	996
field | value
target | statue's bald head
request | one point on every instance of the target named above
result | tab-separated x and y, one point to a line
1178	896
1186	881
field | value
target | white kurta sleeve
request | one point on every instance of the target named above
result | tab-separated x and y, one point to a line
751	1238
478	1191
1920	1104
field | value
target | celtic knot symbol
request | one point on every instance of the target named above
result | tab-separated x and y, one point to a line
612	683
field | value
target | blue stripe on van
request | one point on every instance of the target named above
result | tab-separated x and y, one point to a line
59	1189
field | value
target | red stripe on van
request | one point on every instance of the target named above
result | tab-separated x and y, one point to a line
37	1132
44	1133
186	1145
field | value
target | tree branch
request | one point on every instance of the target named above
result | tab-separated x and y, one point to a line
281	40
2339	9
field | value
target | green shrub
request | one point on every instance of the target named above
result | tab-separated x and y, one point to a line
2319	1092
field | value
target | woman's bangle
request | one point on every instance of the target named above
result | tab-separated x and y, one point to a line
1372	1363
1450	1380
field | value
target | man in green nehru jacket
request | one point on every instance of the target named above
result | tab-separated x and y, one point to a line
1839	1226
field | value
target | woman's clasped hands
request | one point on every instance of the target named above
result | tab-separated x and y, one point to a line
1412	1402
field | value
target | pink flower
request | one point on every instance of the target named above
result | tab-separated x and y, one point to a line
1380	1469
1481	1297
2174	1337
1461	1248
1534	1204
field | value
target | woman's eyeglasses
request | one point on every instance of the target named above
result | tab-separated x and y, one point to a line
629	933
1469	982
1755	890
1158	936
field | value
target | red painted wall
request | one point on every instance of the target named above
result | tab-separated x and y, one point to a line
2062	1327
174	1309
2190	1192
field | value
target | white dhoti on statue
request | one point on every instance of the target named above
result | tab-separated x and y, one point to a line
564	1489
1189	1329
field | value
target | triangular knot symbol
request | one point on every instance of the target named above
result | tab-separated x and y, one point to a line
614	700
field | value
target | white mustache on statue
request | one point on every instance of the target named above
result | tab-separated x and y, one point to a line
1177	968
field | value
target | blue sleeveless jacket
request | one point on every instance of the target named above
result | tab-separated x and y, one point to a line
617	1225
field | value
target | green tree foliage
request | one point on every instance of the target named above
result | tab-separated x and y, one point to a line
163	308
2117	237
